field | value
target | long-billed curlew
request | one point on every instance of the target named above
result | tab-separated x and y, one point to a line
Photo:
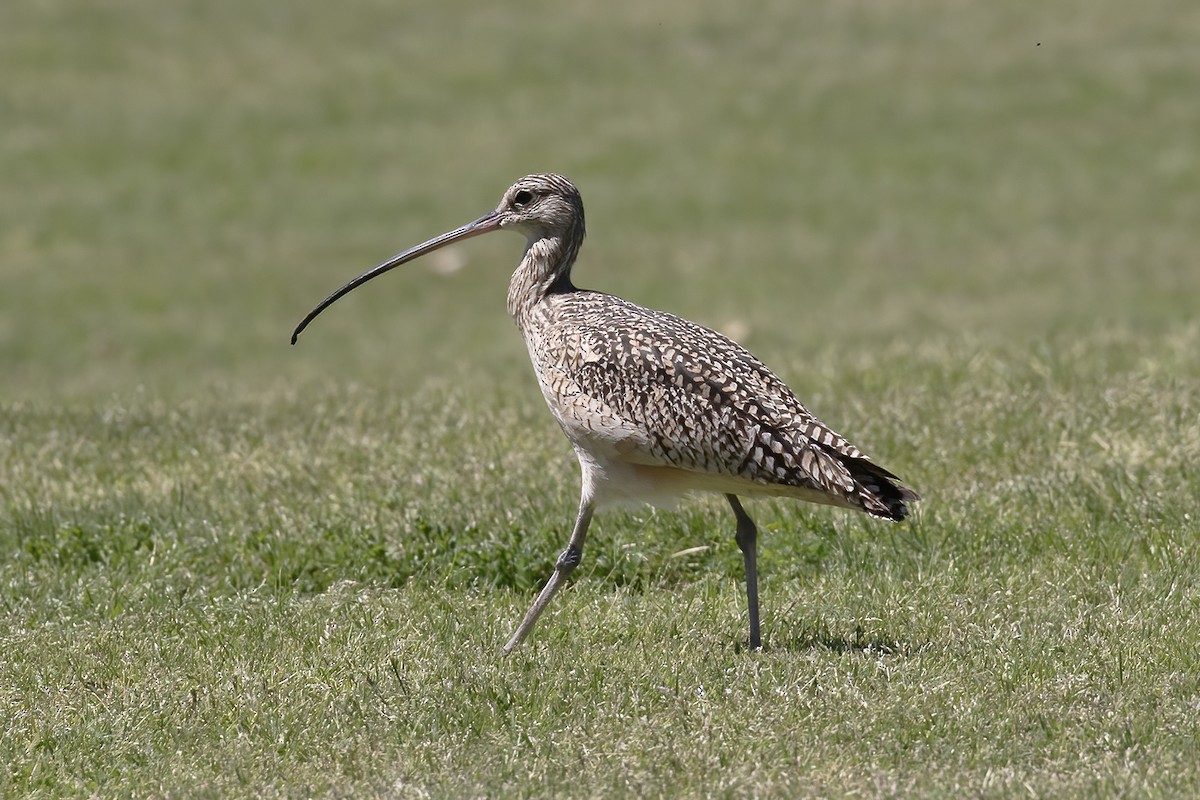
654	405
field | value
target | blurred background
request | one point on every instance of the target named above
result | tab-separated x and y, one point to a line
965	233
181	182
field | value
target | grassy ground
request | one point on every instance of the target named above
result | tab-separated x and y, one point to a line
965	233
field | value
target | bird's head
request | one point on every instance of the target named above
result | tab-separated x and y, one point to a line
540	206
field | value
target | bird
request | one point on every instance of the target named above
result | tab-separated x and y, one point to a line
656	407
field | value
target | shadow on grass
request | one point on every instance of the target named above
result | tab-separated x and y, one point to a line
815	640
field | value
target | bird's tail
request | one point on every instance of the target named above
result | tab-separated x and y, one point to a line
881	493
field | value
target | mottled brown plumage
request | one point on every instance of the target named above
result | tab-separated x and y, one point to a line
655	406
685	397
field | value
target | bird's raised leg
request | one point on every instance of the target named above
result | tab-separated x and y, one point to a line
567	561
747	541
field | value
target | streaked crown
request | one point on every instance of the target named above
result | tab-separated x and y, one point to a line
543	205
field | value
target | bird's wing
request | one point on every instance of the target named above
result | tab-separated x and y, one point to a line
669	392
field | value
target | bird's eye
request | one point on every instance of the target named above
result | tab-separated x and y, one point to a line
522	198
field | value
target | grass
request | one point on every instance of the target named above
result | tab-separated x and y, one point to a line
964	233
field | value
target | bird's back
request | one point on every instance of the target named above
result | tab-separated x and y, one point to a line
655	390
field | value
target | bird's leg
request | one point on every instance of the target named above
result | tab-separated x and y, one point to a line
567	561
747	541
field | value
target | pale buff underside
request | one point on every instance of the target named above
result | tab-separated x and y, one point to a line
617	482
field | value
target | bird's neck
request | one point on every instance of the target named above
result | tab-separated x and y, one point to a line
545	269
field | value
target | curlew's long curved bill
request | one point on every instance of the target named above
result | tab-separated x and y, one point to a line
488	222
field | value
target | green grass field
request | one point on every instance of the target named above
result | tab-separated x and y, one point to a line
965	233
